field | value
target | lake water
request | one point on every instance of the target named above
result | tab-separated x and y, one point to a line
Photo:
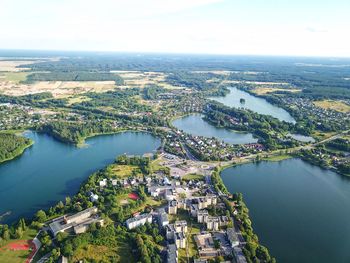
195	125
253	103
302	138
299	211
50	170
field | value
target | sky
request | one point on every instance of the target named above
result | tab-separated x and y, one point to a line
253	27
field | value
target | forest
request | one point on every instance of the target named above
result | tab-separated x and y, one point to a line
12	146
75	76
74	133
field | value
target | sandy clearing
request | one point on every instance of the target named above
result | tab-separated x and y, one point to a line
59	89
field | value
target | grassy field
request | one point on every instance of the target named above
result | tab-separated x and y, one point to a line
333	105
15	77
265	90
120	253
190	177
124	171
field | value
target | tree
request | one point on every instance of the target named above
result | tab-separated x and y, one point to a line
263	254
6	233
40	216
68	250
19	232
22	224
61	236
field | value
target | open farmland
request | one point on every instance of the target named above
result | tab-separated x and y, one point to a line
142	79
333	105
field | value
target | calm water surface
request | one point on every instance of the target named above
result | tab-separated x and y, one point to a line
50	170
195	125
253	103
299	211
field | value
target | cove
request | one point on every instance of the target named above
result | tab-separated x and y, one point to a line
253	103
195	125
50	170
299	211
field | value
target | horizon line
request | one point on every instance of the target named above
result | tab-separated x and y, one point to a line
174	53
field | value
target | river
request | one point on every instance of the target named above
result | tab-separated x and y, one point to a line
253	103
299	211
195	125
50	170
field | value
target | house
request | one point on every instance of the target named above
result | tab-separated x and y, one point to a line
103	183
78	223
172	254
172	207
114	182
180	240
138	221
232	237
93	197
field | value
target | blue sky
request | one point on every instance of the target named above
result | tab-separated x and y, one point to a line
263	27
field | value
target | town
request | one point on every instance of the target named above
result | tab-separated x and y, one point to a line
196	220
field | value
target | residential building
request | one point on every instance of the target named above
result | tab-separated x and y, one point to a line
138	221
180	240
172	207
202	216
163	219
213	223
180	226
